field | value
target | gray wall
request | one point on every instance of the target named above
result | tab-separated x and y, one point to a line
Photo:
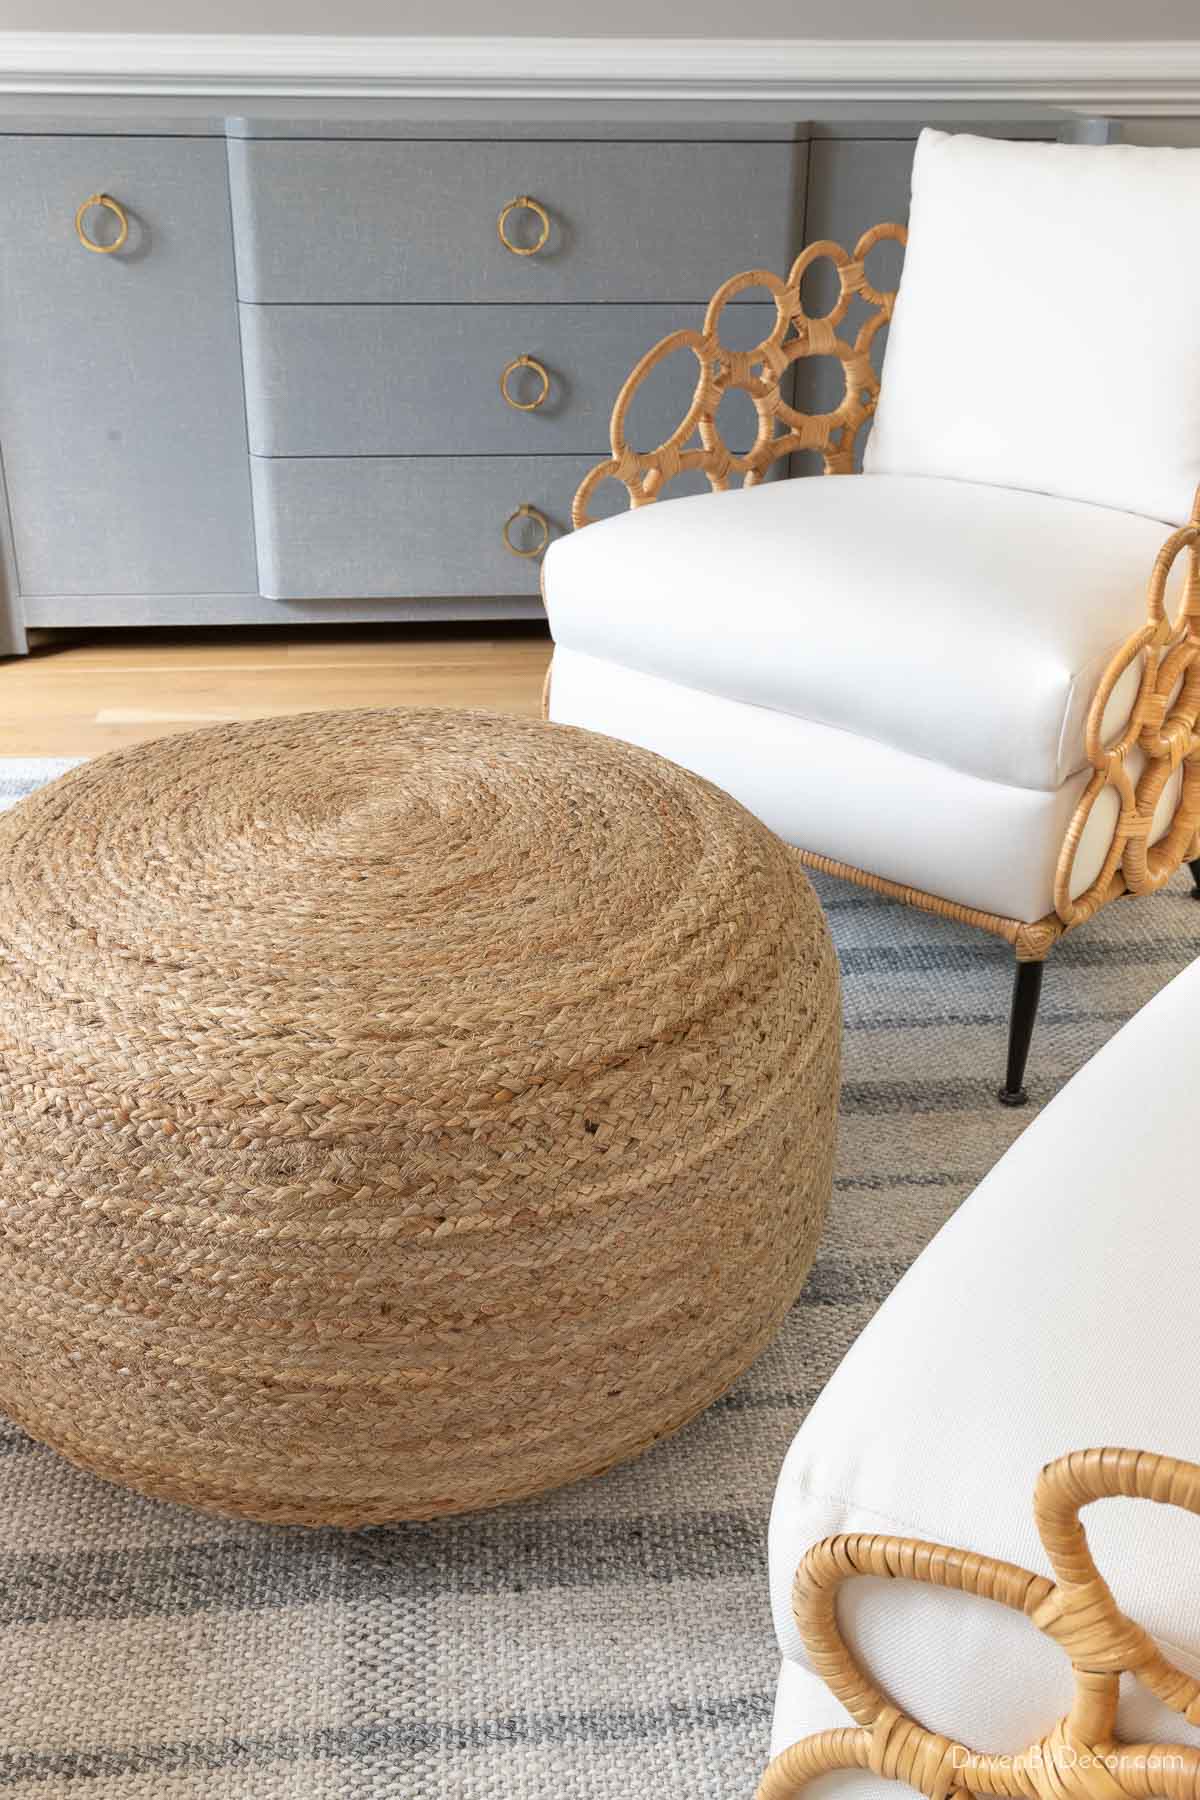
628	18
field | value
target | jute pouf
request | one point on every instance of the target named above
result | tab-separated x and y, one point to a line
400	1112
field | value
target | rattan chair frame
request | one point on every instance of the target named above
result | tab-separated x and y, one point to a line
1081	1757
1161	734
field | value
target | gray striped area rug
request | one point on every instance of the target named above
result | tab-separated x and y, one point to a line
609	1642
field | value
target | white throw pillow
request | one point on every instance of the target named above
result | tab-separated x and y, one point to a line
1047	330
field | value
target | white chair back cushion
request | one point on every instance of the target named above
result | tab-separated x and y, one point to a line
1047	329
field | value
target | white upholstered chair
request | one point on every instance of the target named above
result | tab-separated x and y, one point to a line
967	677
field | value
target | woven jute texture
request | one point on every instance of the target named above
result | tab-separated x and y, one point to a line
400	1112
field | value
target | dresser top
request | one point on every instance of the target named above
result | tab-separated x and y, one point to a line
547	120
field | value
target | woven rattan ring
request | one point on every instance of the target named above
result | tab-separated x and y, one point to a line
523	203
1081	1757
108	204
539	520
400	1112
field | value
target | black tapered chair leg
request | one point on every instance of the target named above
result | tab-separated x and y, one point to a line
1027	991
1194	866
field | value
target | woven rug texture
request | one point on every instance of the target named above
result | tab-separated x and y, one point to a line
611	1641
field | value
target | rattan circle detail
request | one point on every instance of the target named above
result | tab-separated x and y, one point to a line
540	522
697	442
524	203
543	376
401	1112
1082	1756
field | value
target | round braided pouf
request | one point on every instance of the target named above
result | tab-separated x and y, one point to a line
400	1112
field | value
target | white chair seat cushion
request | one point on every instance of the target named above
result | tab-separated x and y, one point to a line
1047	333
1055	1311
964	624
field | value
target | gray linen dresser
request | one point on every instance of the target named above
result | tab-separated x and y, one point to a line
351	364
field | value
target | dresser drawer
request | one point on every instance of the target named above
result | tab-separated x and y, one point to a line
417	221
121	416
382	527
425	380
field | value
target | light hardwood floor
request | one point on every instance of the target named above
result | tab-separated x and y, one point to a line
81	697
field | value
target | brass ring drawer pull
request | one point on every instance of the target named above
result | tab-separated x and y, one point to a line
524	203
110	205
543	375
540	519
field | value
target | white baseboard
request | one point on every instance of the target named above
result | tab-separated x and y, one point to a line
1121	78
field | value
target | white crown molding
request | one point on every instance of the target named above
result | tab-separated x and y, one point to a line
1098	76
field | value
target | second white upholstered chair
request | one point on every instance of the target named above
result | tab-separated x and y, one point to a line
967	677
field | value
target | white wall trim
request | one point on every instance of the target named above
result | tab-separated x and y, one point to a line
1141	77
